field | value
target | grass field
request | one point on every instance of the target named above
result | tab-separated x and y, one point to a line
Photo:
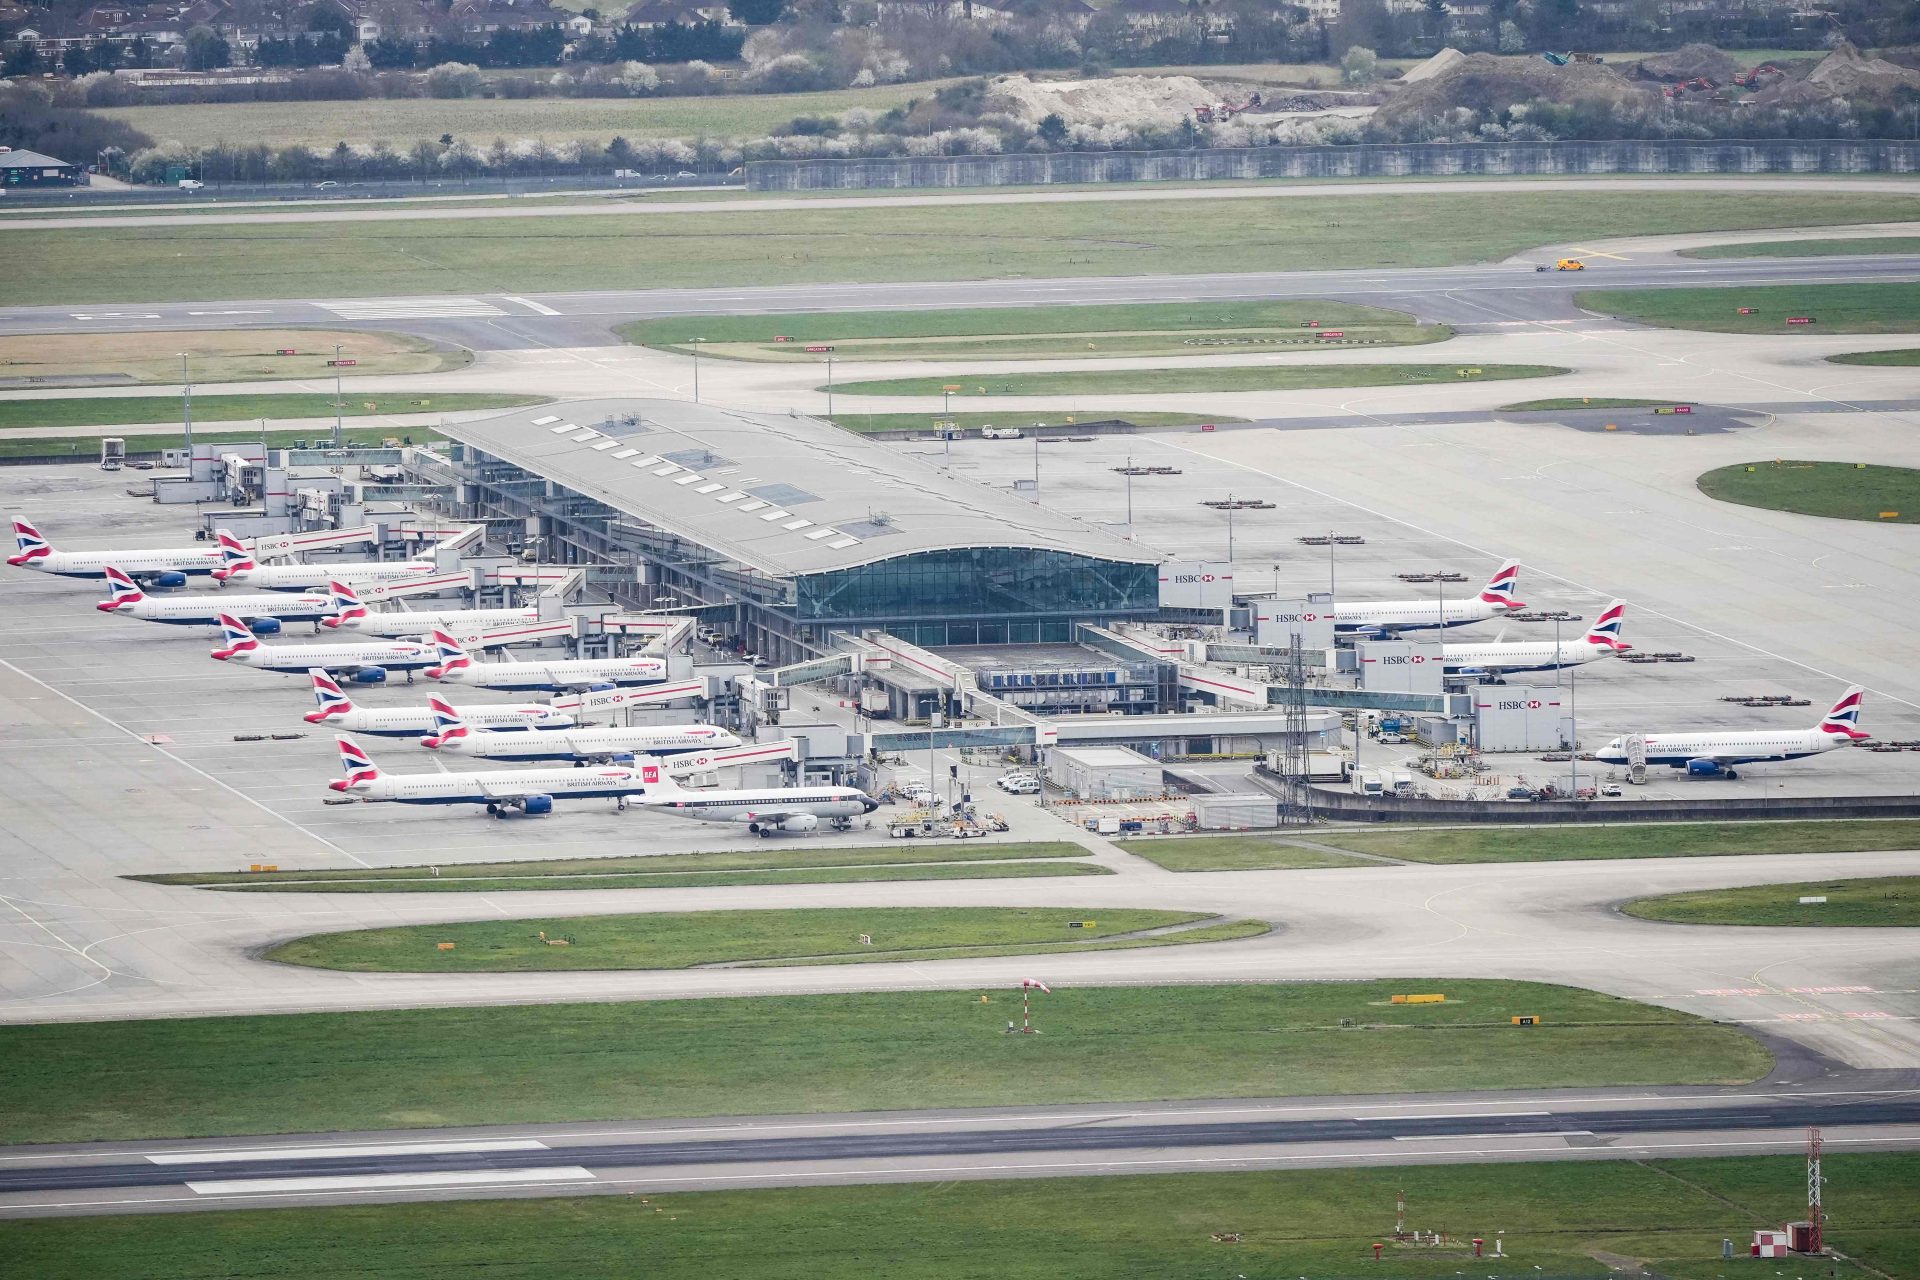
478	121
1236	853
89	446
864	423
1837	490
913	861
1150	381
686	941
518	1064
1585	402
114	411
1899	359
1885	901
1181	328
1641	840
887	242
239	355
1808	248
1836	308
1670	1215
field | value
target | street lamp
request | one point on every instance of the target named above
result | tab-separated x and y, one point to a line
339	404
1129	475
829	384
186	403
1229	528
696	369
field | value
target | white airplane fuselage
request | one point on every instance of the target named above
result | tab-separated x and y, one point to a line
589	744
1680	749
205	610
408	623
1411	615
398	655
301	577
138	564
502	787
508	719
557	677
764	809
1510	658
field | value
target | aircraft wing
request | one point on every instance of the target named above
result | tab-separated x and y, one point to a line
496	791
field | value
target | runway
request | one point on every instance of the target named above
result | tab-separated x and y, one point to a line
494	322
1857	1111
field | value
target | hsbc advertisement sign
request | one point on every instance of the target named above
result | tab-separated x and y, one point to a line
1399	666
1520	719
1196	584
1276	622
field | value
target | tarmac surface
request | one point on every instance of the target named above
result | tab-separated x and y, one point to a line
1856	1112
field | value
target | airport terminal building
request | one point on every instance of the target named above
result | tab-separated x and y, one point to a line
797	526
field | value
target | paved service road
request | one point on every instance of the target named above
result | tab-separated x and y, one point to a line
1511	291
1857	1110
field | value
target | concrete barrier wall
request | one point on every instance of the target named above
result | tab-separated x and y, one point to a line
1338	806
1373	160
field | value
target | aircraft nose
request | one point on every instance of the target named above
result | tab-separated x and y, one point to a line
868	804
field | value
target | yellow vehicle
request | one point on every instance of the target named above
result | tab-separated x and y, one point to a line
1569	264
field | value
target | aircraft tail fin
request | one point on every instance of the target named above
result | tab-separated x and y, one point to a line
235	638
31	546
234	556
347	605
330	699
359	766
1606	629
121	590
1501	586
453	658
447	723
1844	720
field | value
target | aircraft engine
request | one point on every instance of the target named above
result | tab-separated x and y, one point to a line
370	675
264	626
800	822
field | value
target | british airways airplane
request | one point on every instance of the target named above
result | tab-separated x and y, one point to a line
237	564
452	733
262	613
350	613
1602	640
1715	755
333	707
503	791
454	665
165	566
367	662
1386	617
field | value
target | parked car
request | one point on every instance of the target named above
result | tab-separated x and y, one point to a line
325	186
1392	739
1019	785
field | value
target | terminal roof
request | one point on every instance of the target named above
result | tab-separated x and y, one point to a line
787	495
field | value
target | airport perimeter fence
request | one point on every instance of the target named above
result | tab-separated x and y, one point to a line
1341	806
372	189
1367	160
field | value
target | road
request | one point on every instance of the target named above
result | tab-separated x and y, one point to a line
501	322
1855	1111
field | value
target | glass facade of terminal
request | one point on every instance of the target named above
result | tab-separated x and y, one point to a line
1003	584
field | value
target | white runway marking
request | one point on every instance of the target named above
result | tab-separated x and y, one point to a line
347	1153
530	305
409	308
392	1181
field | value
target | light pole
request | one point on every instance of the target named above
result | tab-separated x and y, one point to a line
339	404
696	369
829	384
1229	528
1129	475
186	404
1332	590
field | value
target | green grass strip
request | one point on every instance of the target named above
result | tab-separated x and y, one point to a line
1836	490
522	1064
1149	381
1859	246
116	411
1834	308
1881	902
1639	840
1236	853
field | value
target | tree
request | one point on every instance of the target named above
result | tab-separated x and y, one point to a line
756	13
21	60
1052	130
207	50
453	80
1358	65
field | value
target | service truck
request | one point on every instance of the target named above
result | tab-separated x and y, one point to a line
999	433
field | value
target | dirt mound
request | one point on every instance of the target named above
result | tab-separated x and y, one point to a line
1689	61
1439	64
1847	73
1126	100
1484	82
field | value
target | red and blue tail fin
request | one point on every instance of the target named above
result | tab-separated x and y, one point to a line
1501	586
360	768
1606	629
121	590
234	556
1844	720
452	657
330	699
235	638
31	545
447	724
347	605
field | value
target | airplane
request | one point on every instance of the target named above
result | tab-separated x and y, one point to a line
573	673
352	614
1714	755
1388	617
765	811
1602	640
366	663
263	614
505	791
336	708
453	733
163	566
238	565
